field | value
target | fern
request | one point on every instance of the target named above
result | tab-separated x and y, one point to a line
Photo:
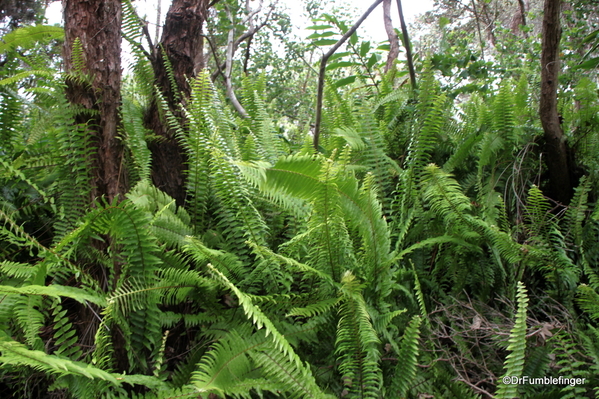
405	370
14	353
514	363
27	36
356	343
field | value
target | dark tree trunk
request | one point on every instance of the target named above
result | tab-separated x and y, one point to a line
97	25
556	150
182	44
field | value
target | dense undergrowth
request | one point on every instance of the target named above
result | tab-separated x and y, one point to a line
414	255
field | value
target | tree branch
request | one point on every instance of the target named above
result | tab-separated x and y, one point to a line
323	65
406	40
228	67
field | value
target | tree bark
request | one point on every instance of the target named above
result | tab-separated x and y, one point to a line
391	35
406	42
556	150
97	24
182	44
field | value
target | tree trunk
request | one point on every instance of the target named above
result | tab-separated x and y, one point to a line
556	150
182	44
97	25
391	35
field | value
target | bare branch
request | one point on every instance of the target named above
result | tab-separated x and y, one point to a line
406	42
323	65
228	68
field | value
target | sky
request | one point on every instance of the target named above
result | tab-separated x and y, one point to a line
372	27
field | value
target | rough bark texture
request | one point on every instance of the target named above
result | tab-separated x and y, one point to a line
391	35
97	24
182	42
556	150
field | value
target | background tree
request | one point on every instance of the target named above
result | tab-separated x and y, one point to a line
92	59
176	58
560	185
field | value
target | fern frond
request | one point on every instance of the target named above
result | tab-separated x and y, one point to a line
233	359
588	300
56	291
27	36
14	353
514	363
356	343
577	211
405	370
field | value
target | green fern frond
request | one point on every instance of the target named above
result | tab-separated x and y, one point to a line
21	271
237	207
236	365
405	370
503	112
588	300
14	353
134	137
56	291
445	196
78	58
356	343
514	363
274	361
259	124
229	264
314	309
424	140
25	74
170	73
258	318
27	36
578	210
65	335
538	212
169	223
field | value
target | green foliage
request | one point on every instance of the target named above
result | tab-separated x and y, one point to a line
514	363
385	264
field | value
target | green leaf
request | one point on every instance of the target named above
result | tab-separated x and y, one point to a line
364	48
336	56
374	58
317	35
443	22
345	81
318	27
592	36
324	42
340	64
589	64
